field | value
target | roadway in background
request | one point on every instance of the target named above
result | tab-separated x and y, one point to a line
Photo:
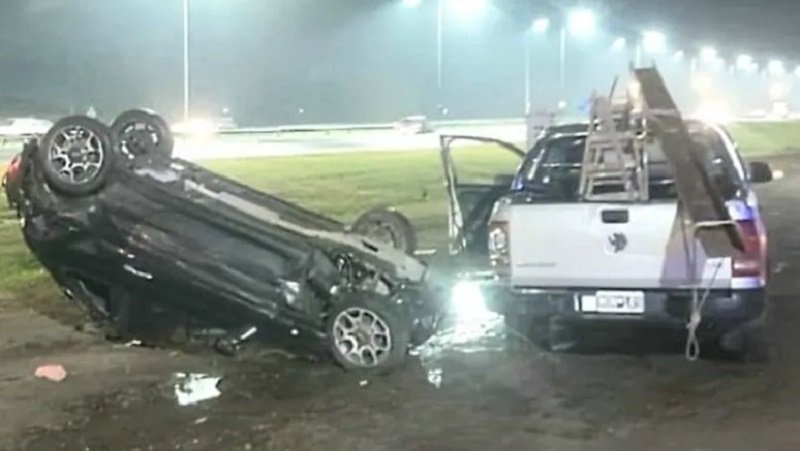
255	143
259	144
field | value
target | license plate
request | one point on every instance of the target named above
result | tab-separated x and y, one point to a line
615	302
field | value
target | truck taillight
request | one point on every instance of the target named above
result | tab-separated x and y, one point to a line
752	262
499	243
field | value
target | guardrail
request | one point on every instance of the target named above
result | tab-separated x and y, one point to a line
327	128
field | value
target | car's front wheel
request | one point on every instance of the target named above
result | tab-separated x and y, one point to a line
368	331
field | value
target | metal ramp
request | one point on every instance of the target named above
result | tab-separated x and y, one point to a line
615	166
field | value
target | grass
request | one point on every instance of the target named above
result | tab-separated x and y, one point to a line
343	186
766	138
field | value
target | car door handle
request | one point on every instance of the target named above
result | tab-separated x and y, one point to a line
615	216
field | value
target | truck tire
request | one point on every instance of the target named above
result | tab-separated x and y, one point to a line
76	155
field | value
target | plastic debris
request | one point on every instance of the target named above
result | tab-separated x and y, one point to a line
363	383
54	373
194	388
435	377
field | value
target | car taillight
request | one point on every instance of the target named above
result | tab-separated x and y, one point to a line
13	165
499	244
752	261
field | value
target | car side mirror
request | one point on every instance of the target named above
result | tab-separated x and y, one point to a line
760	172
504	179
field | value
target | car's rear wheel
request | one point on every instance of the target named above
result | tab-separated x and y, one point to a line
368	331
143	135
388	226
76	155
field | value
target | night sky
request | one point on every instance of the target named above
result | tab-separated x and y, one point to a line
339	60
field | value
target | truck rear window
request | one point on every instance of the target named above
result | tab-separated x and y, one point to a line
556	174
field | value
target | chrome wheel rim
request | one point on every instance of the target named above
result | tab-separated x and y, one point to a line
77	154
139	138
362	337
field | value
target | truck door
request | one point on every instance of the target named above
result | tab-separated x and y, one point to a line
486	169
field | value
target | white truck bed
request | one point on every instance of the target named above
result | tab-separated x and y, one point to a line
570	245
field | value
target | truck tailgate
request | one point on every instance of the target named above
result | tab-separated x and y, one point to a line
606	245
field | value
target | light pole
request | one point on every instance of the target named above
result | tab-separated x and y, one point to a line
652	42
580	22
439	46
186	60
538	27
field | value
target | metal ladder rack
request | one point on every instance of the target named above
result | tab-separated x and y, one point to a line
614	161
616	156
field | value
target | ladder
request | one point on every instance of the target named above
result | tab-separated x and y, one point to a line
615	158
614	161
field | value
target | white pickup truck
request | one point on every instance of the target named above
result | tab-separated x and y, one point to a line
562	263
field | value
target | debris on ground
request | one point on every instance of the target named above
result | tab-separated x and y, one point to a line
53	373
194	388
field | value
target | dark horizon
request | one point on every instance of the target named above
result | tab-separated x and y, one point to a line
352	61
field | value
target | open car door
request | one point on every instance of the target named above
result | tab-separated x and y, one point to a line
488	170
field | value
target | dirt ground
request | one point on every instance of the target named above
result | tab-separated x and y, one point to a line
466	391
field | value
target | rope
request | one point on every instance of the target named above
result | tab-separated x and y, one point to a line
692	351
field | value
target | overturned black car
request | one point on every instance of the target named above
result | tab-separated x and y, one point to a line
138	238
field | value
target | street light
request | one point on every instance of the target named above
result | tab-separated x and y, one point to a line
468	9
618	44
540	25
581	22
708	54
678	56
744	61
775	67
654	41
186	61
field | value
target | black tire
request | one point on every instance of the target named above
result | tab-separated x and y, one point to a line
89	146
397	328
389	226
142	135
